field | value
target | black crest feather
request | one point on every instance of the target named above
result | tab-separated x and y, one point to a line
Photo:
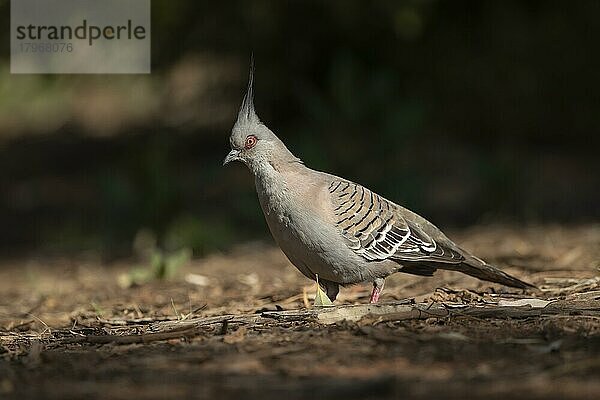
247	113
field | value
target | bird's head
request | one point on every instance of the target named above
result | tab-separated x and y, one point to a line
251	141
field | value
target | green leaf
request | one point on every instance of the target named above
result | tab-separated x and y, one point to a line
175	261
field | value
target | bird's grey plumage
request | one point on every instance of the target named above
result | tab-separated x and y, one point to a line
337	229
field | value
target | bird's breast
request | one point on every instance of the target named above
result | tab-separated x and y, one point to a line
299	216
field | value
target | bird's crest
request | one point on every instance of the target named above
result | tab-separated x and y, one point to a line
247	114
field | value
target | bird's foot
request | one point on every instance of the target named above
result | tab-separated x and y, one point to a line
377	289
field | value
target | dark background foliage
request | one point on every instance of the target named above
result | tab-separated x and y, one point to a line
465	111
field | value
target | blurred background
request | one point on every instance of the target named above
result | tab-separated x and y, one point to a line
469	112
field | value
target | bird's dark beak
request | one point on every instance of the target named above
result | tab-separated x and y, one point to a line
232	156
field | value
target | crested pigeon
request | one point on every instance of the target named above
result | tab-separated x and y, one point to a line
338	230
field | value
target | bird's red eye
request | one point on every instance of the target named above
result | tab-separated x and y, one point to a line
250	142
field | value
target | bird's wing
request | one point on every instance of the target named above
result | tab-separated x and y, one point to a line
375	228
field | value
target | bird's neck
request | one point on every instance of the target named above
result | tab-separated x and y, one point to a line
272	175
278	160
274	170
272	189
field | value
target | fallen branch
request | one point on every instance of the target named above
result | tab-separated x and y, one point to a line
364	314
398	312
130	339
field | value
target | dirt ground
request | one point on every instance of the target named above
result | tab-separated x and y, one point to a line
68	329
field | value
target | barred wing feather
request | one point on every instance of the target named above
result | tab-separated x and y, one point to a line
375	229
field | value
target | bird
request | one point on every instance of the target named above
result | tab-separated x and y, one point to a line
336	231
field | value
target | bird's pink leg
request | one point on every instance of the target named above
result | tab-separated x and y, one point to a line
375	295
377	289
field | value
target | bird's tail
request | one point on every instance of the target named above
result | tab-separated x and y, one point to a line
478	268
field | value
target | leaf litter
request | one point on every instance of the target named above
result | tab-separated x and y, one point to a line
246	323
